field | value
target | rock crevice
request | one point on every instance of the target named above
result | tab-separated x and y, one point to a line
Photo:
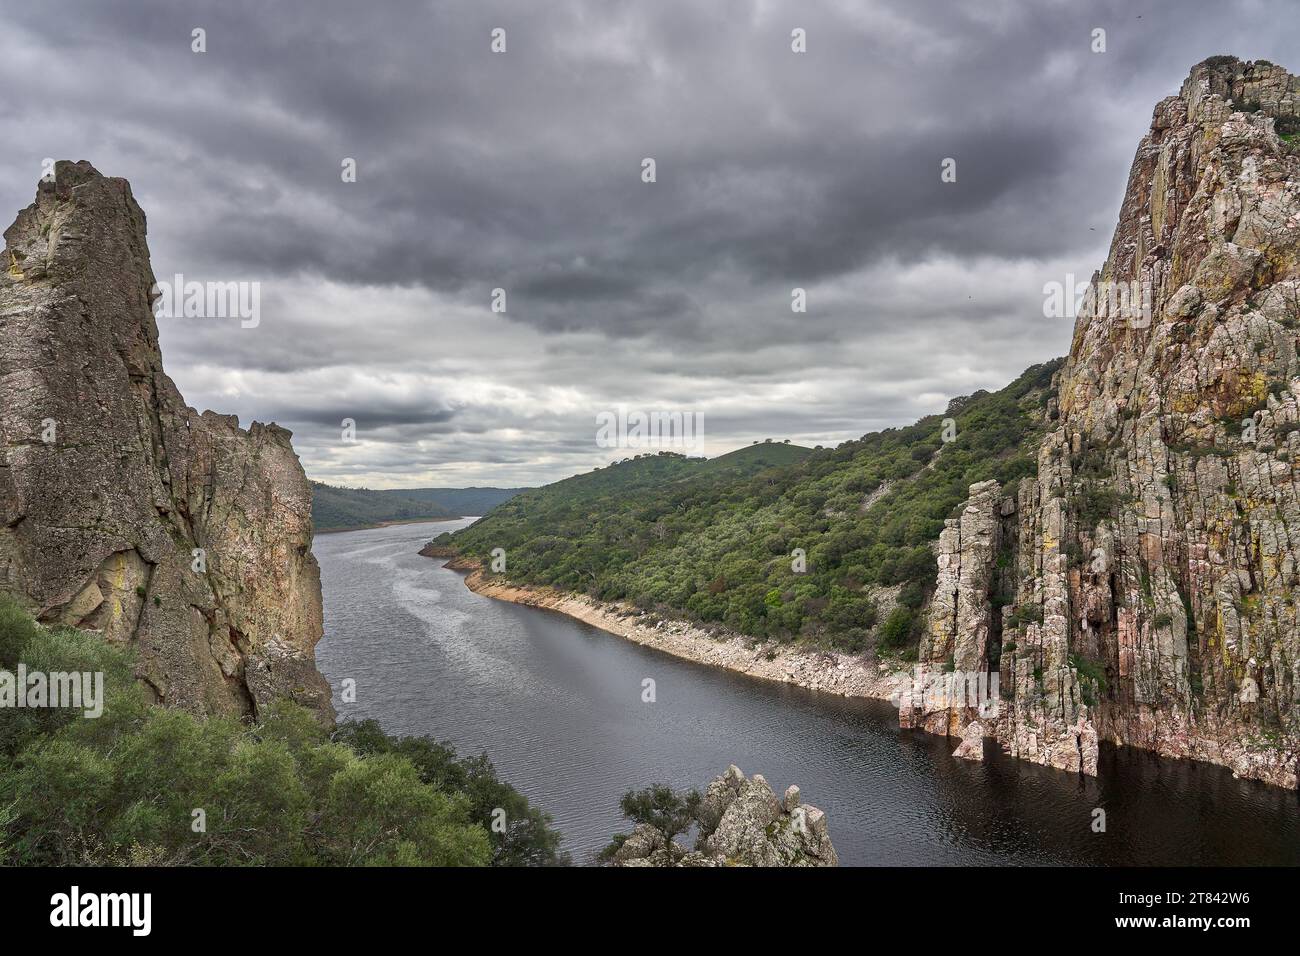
124	511
1155	550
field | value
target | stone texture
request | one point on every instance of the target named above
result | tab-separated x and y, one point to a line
850	675
741	822
972	742
1158	543
98	527
960	617
643	841
791	798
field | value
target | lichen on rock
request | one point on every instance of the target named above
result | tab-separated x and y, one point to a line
1157	544
741	822
122	510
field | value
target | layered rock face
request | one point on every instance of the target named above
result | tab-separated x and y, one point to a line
122	510
1142	588
742	822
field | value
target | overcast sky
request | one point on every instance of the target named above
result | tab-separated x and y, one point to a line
523	170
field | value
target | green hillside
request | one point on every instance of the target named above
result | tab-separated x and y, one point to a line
751	458
339	509
577	499
459	501
712	540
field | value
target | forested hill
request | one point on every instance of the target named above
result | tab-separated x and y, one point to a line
340	509
713	540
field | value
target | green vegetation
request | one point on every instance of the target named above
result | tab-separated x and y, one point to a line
338	509
744	462
660	807
1092	678
715	541
899	628
1096	504
459	501
1025	614
527	839
143	784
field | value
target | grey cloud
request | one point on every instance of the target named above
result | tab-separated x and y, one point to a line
523	171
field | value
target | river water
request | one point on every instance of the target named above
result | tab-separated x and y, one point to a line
557	706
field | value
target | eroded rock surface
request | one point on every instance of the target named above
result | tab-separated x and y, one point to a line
110	485
742	822
1141	587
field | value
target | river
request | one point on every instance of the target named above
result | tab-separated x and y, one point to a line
557	705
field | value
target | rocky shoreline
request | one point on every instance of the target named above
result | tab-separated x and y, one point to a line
1141	588
818	670
385	524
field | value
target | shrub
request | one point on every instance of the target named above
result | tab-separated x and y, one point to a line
734	524
898	628
1092	678
1025	614
124	788
17	630
660	807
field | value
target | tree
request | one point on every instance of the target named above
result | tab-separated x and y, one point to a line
897	629
144	784
658	806
693	539
527	839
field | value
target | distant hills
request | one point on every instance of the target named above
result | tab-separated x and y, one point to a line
343	509
335	508
714	540
753	458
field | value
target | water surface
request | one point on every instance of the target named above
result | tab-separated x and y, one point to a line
557	706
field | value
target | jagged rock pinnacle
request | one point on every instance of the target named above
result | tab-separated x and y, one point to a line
1152	563
122	510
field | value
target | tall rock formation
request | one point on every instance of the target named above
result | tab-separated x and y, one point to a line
122	510
1142	589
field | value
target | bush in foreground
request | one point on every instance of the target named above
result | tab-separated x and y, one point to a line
143	784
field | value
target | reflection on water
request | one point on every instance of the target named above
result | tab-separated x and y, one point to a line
557	706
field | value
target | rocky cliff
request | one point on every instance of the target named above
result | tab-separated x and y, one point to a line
122	510
1142	587
741	822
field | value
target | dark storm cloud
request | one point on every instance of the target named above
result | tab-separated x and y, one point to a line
522	171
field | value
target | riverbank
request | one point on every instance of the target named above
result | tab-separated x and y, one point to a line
820	670
557	705
815	669
388	524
